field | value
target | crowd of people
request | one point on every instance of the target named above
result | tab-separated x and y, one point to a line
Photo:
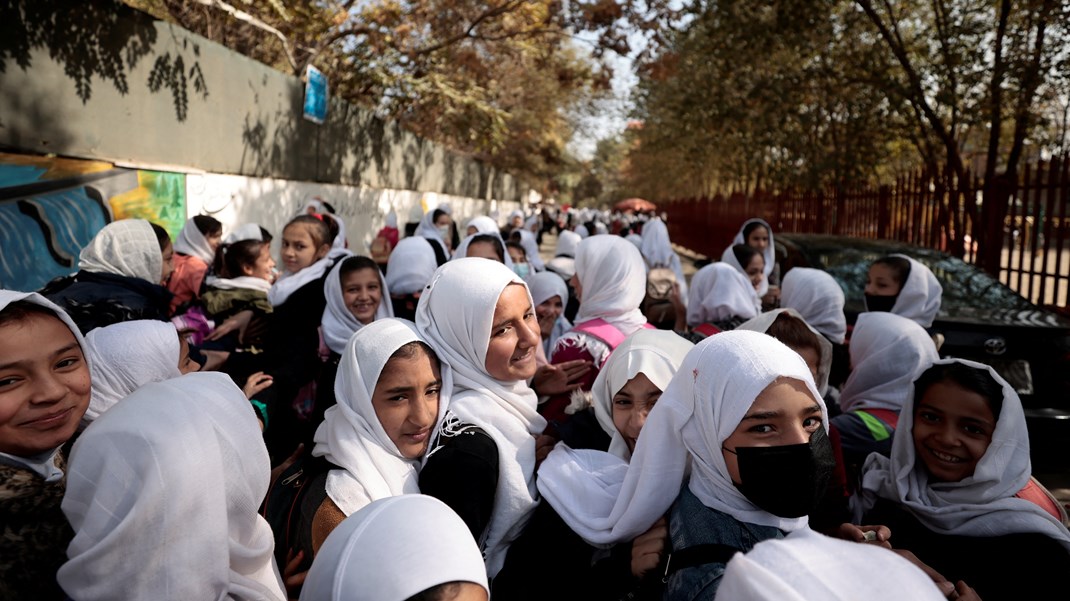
446	416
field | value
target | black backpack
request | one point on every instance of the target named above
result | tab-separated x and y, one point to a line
282	508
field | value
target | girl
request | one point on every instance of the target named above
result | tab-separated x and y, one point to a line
531	248
392	395
887	352
757	234
435	228
369	557
163	498
519	258
787	326
126	356
610	283
481	224
657	251
119	277
549	293
410	268
819	300
486	246
195	251
44	391
744	413
949	490
721	299
244	271
479	318
749	261
898	284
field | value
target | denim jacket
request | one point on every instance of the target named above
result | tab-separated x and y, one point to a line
692	523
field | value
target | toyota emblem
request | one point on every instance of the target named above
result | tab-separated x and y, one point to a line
995	346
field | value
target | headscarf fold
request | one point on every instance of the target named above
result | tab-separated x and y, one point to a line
483	225
612	276
338	323
193	243
462	248
410	265
242	282
245	231
818	298
127	355
163	494
567	242
981	505
393	549
605	500
919	299
719	292
351	435
455	316
125	247
769	254
657	354
762	324
887	353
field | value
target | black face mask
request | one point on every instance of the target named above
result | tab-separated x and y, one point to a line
787	481
880	303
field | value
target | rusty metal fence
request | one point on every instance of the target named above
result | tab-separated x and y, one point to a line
1018	231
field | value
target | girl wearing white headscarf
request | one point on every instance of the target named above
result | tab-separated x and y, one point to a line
481	224
483	464
818	299
394	549
657	251
493	238
567	243
45	360
887	354
126	356
195	251
610	282
721	296
918	292
545	287
119	277
163	495
698	425
409	269
339	323
787	326
531	249
369	463
964	517
750	233
435	227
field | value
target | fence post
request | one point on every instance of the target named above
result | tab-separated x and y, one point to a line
841	211
997	194
884	196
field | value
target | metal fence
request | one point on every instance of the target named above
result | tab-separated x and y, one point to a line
1021	235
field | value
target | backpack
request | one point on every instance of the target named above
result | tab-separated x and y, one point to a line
660	282
285	496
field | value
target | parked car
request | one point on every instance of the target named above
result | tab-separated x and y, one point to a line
980	319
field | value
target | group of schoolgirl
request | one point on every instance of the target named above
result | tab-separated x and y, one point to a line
463	459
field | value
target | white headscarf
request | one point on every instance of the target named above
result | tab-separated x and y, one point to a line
351	435
565	267
581	231
613	280
245	231
193	243
44	464
657	354
462	248
719	292
393	549
807	566
125	247
338	322
531	249
567	242
483	225
455	315
658	252
635	239
125	357
288	283
163	493
410	265
978	506
769	254
919	299
242	282
544	286
316	204
428	229
887	354
605	500
818	298
762	324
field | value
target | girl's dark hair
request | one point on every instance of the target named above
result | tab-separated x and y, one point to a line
230	258
318	228
266	235
517	246
436	214
352	264
900	267
208	226
744	254
447	591
162	237
971	378
794	333
413	349
20	310
491	239
750	227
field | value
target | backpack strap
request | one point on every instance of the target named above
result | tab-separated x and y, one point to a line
602	330
707	329
878	421
695	556
440	253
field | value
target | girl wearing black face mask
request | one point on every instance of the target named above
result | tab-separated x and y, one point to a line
743	412
898	284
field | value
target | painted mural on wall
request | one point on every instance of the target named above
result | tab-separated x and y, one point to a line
51	207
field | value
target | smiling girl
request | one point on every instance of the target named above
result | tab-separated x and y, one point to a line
950	490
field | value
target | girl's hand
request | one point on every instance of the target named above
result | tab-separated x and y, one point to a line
255	383
648	547
876	535
291	578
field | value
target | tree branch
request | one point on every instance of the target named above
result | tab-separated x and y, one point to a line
996	93
250	19
487	14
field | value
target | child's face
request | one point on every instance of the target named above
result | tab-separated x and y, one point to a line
547	313
952	430
168	256
299	248
484	250
517	255
513	336
881	281
631	405
361	293
758	239
756	270
783	414
44	385
214	239
406	401
264	267
185	364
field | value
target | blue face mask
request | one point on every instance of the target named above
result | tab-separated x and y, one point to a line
521	269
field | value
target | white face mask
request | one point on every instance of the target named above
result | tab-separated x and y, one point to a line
444	231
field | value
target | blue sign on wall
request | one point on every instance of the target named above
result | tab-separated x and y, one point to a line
315	95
